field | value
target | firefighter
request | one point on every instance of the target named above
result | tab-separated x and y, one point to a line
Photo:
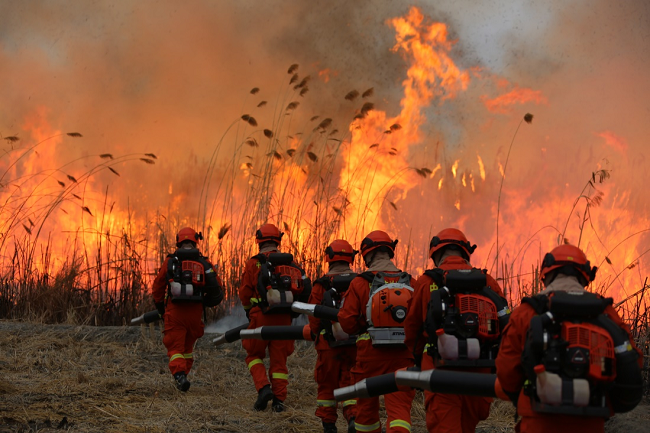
376	356
186	282
564	270
336	355
449	250
268	238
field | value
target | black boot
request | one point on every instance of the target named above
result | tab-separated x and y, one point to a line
181	381
264	395
329	427
351	427
278	405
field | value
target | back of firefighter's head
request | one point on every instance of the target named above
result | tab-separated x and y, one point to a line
450	242
567	260
268	235
377	244
340	251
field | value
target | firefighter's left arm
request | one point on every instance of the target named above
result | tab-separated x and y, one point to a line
510	372
492	283
351	317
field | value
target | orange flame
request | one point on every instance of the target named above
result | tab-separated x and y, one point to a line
371	175
502	103
614	141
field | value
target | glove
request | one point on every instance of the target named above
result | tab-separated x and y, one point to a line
248	314
160	306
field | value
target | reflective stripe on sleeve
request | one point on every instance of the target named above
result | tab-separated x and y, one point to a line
326	403
505	310
625	347
349	402
188	355
361	337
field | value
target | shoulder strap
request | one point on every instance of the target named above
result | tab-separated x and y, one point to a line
368	276
261	257
324	281
171	260
434	273
437	275
538	302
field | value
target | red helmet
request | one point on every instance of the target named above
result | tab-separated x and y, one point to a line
378	239
268	232
568	255
450	236
188	234
340	250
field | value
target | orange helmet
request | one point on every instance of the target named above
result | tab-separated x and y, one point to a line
188	234
268	232
340	250
450	236
376	240
572	259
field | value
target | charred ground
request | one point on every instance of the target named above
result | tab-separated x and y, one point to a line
115	379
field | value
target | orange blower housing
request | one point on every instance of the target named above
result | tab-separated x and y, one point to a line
388	306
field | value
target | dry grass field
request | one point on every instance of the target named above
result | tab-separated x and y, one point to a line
114	379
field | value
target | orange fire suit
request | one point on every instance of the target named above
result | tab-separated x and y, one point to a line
279	351
183	323
510	374
374	361
444	412
332	367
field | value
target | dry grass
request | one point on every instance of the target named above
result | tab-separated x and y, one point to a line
115	379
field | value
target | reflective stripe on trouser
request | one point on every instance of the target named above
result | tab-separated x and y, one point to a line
376	427
400	423
258	371
447	413
398	404
333	371
183	326
278	353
